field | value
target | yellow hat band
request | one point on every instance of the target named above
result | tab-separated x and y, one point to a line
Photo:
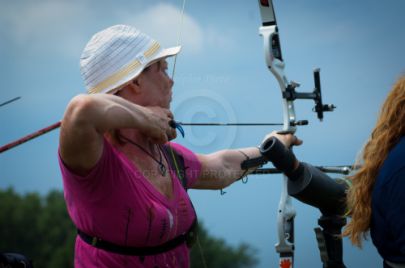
122	73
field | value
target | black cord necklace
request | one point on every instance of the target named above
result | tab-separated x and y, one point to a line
161	167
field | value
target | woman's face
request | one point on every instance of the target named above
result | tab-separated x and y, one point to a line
156	85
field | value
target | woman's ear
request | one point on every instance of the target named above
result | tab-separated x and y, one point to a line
135	85
136	81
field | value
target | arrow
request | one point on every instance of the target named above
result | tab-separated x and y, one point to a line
29	137
57	124
9	101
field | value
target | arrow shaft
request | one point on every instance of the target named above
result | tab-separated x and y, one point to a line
57	124
229	124
29	137
9	101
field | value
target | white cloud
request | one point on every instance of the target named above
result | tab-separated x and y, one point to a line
62	26
44	25
164	22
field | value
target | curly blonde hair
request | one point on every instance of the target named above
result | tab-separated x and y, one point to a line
389	129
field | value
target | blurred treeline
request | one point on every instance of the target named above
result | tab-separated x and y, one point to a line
40	228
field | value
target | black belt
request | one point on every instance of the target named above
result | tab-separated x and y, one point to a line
140	251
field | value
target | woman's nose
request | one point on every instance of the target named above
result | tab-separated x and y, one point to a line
171	82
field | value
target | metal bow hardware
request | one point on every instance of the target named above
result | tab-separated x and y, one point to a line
275	63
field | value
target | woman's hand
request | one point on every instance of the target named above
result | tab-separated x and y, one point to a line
157	126
288	140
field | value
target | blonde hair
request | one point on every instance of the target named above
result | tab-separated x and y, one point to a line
389	129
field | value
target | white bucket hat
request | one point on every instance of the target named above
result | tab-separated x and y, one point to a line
117	55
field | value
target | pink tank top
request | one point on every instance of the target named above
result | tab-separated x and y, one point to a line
115	202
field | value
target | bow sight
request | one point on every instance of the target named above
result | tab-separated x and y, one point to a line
290	94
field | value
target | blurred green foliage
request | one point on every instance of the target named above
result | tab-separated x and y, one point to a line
40	228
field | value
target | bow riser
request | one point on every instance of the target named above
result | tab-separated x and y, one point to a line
272	52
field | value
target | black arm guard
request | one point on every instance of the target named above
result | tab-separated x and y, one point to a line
313	187
272	150
282	158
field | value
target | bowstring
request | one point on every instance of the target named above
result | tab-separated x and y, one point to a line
179	36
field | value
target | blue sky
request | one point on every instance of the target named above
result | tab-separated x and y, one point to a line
220	76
